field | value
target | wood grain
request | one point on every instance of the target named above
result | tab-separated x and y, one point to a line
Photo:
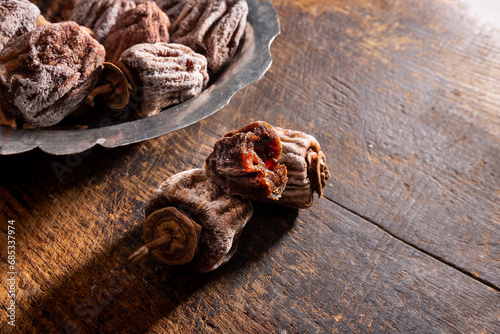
402	96
410	117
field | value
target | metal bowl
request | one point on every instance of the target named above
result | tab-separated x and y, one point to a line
248	66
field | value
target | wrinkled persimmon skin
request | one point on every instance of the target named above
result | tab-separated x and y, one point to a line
213	28
167	73
221	216
47	73
100	15
17	17
306	168
144	24
246	163
56	10
172	8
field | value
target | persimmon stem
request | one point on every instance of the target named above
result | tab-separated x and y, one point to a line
7	119
126	71
140	254
107	88
42	21
164	240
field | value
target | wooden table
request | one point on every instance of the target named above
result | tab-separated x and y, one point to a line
404	97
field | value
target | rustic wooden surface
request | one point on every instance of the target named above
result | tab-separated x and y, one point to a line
404	97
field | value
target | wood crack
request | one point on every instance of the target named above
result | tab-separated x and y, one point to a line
418	248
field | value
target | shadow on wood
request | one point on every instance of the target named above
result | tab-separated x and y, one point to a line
108	294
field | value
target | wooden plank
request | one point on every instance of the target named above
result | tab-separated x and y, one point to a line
404	97
318	270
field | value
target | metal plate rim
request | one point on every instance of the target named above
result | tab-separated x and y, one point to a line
249	65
